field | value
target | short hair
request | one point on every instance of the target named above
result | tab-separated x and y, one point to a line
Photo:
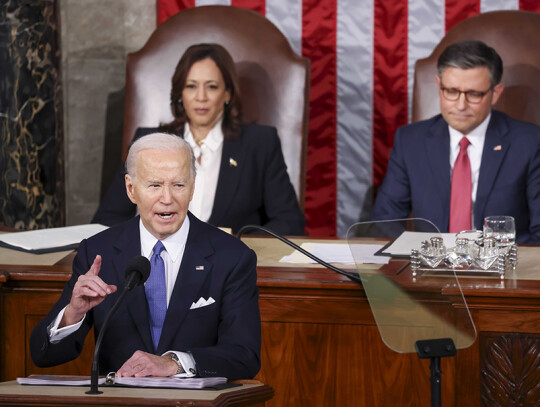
232	114
158	141
472	54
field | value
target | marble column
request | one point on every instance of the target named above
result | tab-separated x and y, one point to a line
31	151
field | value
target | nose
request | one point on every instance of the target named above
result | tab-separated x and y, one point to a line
461	103
166	195
201	93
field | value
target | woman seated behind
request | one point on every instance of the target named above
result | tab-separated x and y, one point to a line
241	174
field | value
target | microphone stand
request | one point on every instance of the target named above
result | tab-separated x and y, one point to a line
95	364
347	274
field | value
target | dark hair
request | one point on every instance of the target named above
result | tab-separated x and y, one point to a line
232	114
472	54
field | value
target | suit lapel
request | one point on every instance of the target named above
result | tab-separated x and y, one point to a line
495	148
437	149
194	270
232	162
129	246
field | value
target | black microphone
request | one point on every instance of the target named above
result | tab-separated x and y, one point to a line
137	272
351	276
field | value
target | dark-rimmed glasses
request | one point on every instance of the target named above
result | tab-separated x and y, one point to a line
471	96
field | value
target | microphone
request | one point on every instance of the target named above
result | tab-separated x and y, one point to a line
351	276
137	272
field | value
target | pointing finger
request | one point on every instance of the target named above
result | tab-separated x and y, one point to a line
96	266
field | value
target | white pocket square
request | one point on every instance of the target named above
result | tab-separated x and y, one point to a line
202	303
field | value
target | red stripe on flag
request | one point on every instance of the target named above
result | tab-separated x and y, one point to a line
389	79
319	25
256	5
168	8
457	10
529	5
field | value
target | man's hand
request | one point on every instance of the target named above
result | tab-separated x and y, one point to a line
89	291
143	364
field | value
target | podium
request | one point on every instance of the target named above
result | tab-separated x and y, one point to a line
251	394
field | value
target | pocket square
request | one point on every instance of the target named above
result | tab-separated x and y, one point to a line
202	303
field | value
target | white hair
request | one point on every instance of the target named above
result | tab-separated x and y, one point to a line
158	141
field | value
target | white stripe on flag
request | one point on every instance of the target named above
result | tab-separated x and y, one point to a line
287	16
354	111
212	3
426	29
493	5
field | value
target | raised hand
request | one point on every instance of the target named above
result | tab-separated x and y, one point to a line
143	364
89	291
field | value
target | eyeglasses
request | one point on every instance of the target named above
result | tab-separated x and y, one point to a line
471	96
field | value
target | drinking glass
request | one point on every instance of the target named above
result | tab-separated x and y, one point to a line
502	228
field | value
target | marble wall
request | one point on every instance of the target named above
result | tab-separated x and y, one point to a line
31	162
96	36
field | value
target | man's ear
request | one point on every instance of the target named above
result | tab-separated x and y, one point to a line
497	91
129	188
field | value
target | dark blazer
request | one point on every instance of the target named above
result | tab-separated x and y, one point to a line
255	191
224	337
419	177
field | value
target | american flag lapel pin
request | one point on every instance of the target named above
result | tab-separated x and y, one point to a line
232	162
497	148
199	268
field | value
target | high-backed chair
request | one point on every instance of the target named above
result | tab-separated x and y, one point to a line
274	81
514	35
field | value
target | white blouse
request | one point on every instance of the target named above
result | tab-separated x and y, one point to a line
210	152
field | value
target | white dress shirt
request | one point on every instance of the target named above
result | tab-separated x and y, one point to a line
172	257
476	137
210	152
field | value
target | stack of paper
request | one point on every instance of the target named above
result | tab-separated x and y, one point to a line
49	240
161	382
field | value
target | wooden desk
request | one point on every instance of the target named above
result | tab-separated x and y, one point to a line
13	394
321	346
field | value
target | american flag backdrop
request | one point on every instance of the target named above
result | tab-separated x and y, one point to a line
362	56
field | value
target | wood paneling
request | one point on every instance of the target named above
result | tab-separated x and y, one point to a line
321	346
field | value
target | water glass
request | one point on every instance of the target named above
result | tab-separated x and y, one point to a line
502	228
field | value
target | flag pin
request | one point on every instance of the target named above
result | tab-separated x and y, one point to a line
199	268
497	148
232	162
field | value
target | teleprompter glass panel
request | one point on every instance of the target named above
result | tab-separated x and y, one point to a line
409	307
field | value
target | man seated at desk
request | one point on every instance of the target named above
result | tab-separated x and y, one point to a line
470	161
198	312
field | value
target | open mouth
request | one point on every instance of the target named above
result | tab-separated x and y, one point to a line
165	215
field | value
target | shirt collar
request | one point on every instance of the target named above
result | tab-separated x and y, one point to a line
212	141
174	244
476	136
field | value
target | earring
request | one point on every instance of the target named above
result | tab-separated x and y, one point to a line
227	103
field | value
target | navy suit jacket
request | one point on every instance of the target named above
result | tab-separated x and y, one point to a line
418	178
224	337
255	191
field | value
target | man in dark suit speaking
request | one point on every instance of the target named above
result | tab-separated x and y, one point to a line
470	161
198	312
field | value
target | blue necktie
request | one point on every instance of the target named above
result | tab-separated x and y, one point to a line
156	293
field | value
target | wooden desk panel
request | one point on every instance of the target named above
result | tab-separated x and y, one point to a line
12	394
321	346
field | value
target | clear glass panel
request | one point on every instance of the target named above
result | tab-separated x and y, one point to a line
409	307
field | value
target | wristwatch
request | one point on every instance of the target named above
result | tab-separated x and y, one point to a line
177	361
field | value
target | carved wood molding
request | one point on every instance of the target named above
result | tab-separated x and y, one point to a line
510	369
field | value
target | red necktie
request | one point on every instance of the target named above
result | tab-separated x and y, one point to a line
460	197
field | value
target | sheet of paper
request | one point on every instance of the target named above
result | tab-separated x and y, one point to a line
408	241
50	238
337	253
